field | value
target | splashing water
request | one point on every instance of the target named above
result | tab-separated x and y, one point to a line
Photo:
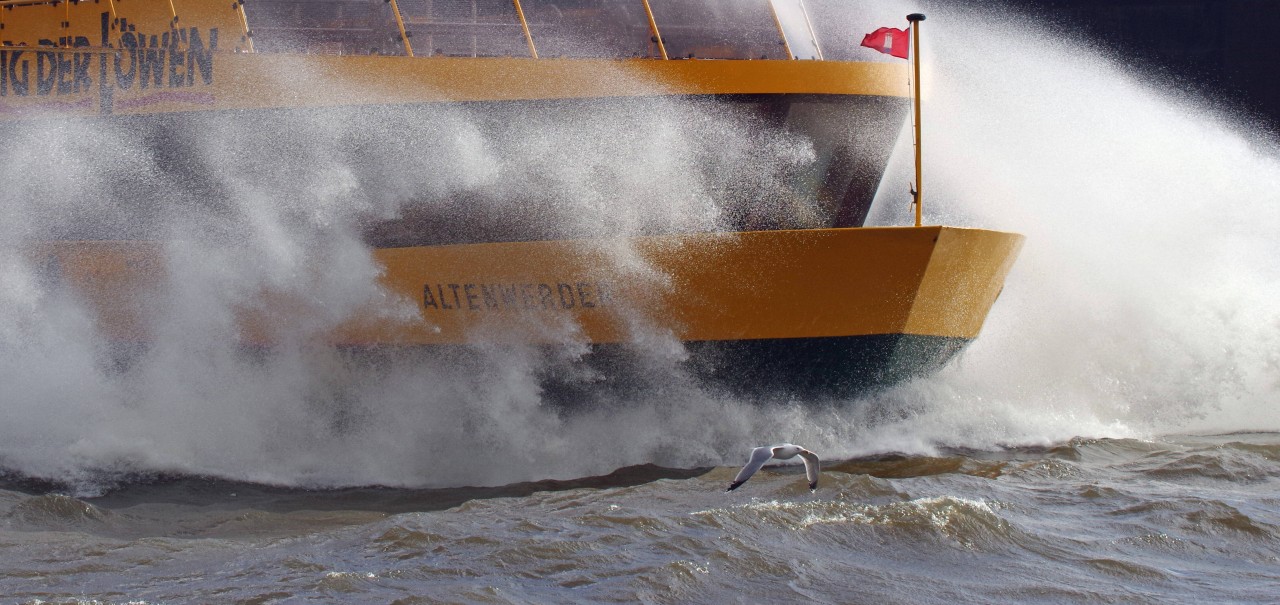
1143	303
279	203
1145	300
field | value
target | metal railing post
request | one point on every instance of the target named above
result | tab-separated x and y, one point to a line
781	32
528	36
404	35
653	28
244	20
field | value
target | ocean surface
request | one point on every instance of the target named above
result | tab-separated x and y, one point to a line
1187	519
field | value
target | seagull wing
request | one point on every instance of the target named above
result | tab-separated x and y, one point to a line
811	467
759	456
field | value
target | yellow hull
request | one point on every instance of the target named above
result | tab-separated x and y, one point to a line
836	309
937	281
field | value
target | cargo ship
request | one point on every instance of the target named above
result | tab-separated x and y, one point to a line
790	292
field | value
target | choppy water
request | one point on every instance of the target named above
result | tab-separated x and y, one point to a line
1175	520
1051	463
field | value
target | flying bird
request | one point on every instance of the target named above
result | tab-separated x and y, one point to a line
785	451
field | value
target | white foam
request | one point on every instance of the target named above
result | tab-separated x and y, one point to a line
1145	301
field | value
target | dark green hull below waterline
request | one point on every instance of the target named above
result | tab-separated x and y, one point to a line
768	369
815	369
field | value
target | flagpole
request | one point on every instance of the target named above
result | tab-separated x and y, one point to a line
915	19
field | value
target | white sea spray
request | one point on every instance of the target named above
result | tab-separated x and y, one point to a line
1144	302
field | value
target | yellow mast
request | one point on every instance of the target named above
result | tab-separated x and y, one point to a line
915	19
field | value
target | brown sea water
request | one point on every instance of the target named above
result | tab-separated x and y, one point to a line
1175	520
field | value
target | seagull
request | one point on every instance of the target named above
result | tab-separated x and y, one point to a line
785	451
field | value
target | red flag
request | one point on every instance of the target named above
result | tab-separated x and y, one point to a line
889	41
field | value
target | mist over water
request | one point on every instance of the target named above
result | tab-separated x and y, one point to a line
1144	302
1145	299
278	204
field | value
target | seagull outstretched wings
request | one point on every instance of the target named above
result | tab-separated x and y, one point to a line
761	455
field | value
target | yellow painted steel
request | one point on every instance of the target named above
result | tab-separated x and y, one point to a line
36	23
263	81
112	278
915	19
965	274
935	281
33	21
91	58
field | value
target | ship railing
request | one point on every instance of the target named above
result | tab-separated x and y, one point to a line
676	29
